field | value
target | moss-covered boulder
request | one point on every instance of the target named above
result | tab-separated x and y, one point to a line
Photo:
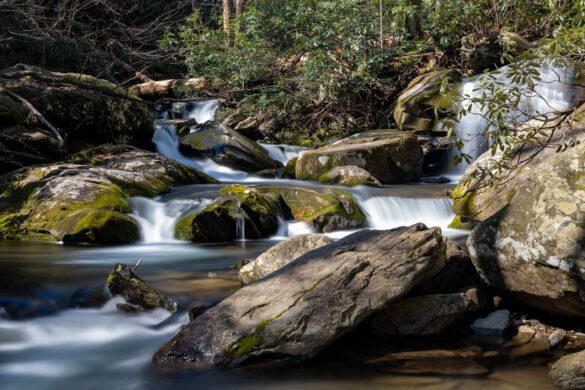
533	246
227	147
86	110
240	212
425	101
83	200
390	156
349	176
254	212
290	168
123	282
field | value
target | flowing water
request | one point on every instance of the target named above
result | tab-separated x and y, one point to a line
48	342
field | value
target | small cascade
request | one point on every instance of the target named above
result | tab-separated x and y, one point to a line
552	93
387	212
157	219
167	140
288	229
283	153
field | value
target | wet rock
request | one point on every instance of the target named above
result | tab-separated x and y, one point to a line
421	104
88	111
427	314
127	308
390	156
306	305
269	173
83	200
569	371
289	168
254	212
123	282
249	128
494	324
196	311
281	254
227	147
233	119
89	297
349	176
23	308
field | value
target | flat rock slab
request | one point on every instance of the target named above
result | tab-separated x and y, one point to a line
302	308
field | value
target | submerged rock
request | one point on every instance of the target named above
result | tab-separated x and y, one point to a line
227	147
281	254
390	156
349	176
306	305
83	200
123	282
427	314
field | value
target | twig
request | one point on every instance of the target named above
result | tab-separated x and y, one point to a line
136	265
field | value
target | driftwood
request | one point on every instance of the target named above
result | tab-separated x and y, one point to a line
169	88
37	114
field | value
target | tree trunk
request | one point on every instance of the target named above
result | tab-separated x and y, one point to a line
240	7
167	88
227	21
413	22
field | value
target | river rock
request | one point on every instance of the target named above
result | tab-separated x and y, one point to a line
227	147
421	104
88	111
390	156
249	128
259	209
569	371
289	168
427	314
494	324
136	292
309	303
349	176
281	254
83	200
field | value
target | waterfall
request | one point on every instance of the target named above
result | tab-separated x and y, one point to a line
157	219
552	92
167	140
283	153
387	212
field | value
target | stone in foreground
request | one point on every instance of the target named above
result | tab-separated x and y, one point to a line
302	308
123	282
280	255
569	371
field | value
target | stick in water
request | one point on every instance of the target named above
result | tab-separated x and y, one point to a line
137	265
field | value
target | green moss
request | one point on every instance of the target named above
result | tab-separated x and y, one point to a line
184	228
104	227
244	346
463	202
307	143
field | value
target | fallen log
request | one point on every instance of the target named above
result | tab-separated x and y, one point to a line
172	87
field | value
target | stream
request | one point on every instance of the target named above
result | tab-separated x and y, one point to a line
54	346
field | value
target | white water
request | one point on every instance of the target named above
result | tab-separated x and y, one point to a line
552	93
157	219
78	342
283	153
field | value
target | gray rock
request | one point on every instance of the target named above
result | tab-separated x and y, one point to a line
556	338
569	371
349	176
281	254
493	325
137	293
309	303
427	314
228	147
249	128
233	119
390	156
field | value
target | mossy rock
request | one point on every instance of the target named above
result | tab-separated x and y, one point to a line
289	169
423	103
74	202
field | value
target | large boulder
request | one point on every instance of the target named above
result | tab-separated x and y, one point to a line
426	100
123	282
86	110
280	255
84	198
255	212
484	51
302	308
390	156
530	241
227	147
